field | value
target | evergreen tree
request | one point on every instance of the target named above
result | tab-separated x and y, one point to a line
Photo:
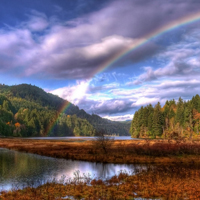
181	119
157	121
180	112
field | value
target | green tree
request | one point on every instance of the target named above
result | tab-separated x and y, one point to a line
157	121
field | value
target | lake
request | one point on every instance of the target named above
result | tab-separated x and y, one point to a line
18	169
85	138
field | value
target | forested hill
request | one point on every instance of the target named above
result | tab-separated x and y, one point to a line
173	120
27	110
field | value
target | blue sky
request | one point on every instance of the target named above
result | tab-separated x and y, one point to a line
61	45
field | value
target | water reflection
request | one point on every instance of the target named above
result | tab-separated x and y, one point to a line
84	138
20	169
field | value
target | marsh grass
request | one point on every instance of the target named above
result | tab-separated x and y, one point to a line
175	173
130	151
155	182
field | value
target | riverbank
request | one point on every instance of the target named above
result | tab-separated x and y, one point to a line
119	151
157	182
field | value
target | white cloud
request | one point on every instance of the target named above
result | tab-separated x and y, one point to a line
37	24
107	45
55	54
73	93
145	100
119	117
121	101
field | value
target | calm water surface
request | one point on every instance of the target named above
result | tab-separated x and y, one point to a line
85	138
18	169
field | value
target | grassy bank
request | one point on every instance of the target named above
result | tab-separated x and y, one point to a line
159	182
127	151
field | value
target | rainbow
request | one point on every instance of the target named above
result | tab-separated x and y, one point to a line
175	24
53	123
170	26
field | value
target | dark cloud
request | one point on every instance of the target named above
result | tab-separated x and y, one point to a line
79	51
107	107
138	18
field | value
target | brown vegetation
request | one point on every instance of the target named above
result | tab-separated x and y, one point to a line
130	151
174	175
163	182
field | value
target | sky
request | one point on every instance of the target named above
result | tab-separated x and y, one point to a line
108	57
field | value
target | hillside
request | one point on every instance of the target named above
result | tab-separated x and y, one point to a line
173	120
28	110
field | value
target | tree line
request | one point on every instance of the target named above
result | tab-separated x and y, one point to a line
30	121
174	119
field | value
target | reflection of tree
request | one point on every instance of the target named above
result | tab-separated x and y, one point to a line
22	168
106	170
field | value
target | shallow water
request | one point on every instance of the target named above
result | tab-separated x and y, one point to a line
18	169
85	138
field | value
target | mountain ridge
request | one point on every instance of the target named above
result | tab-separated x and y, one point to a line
32	97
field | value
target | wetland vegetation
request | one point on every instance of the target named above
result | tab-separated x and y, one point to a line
157	182
117	151
172	169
